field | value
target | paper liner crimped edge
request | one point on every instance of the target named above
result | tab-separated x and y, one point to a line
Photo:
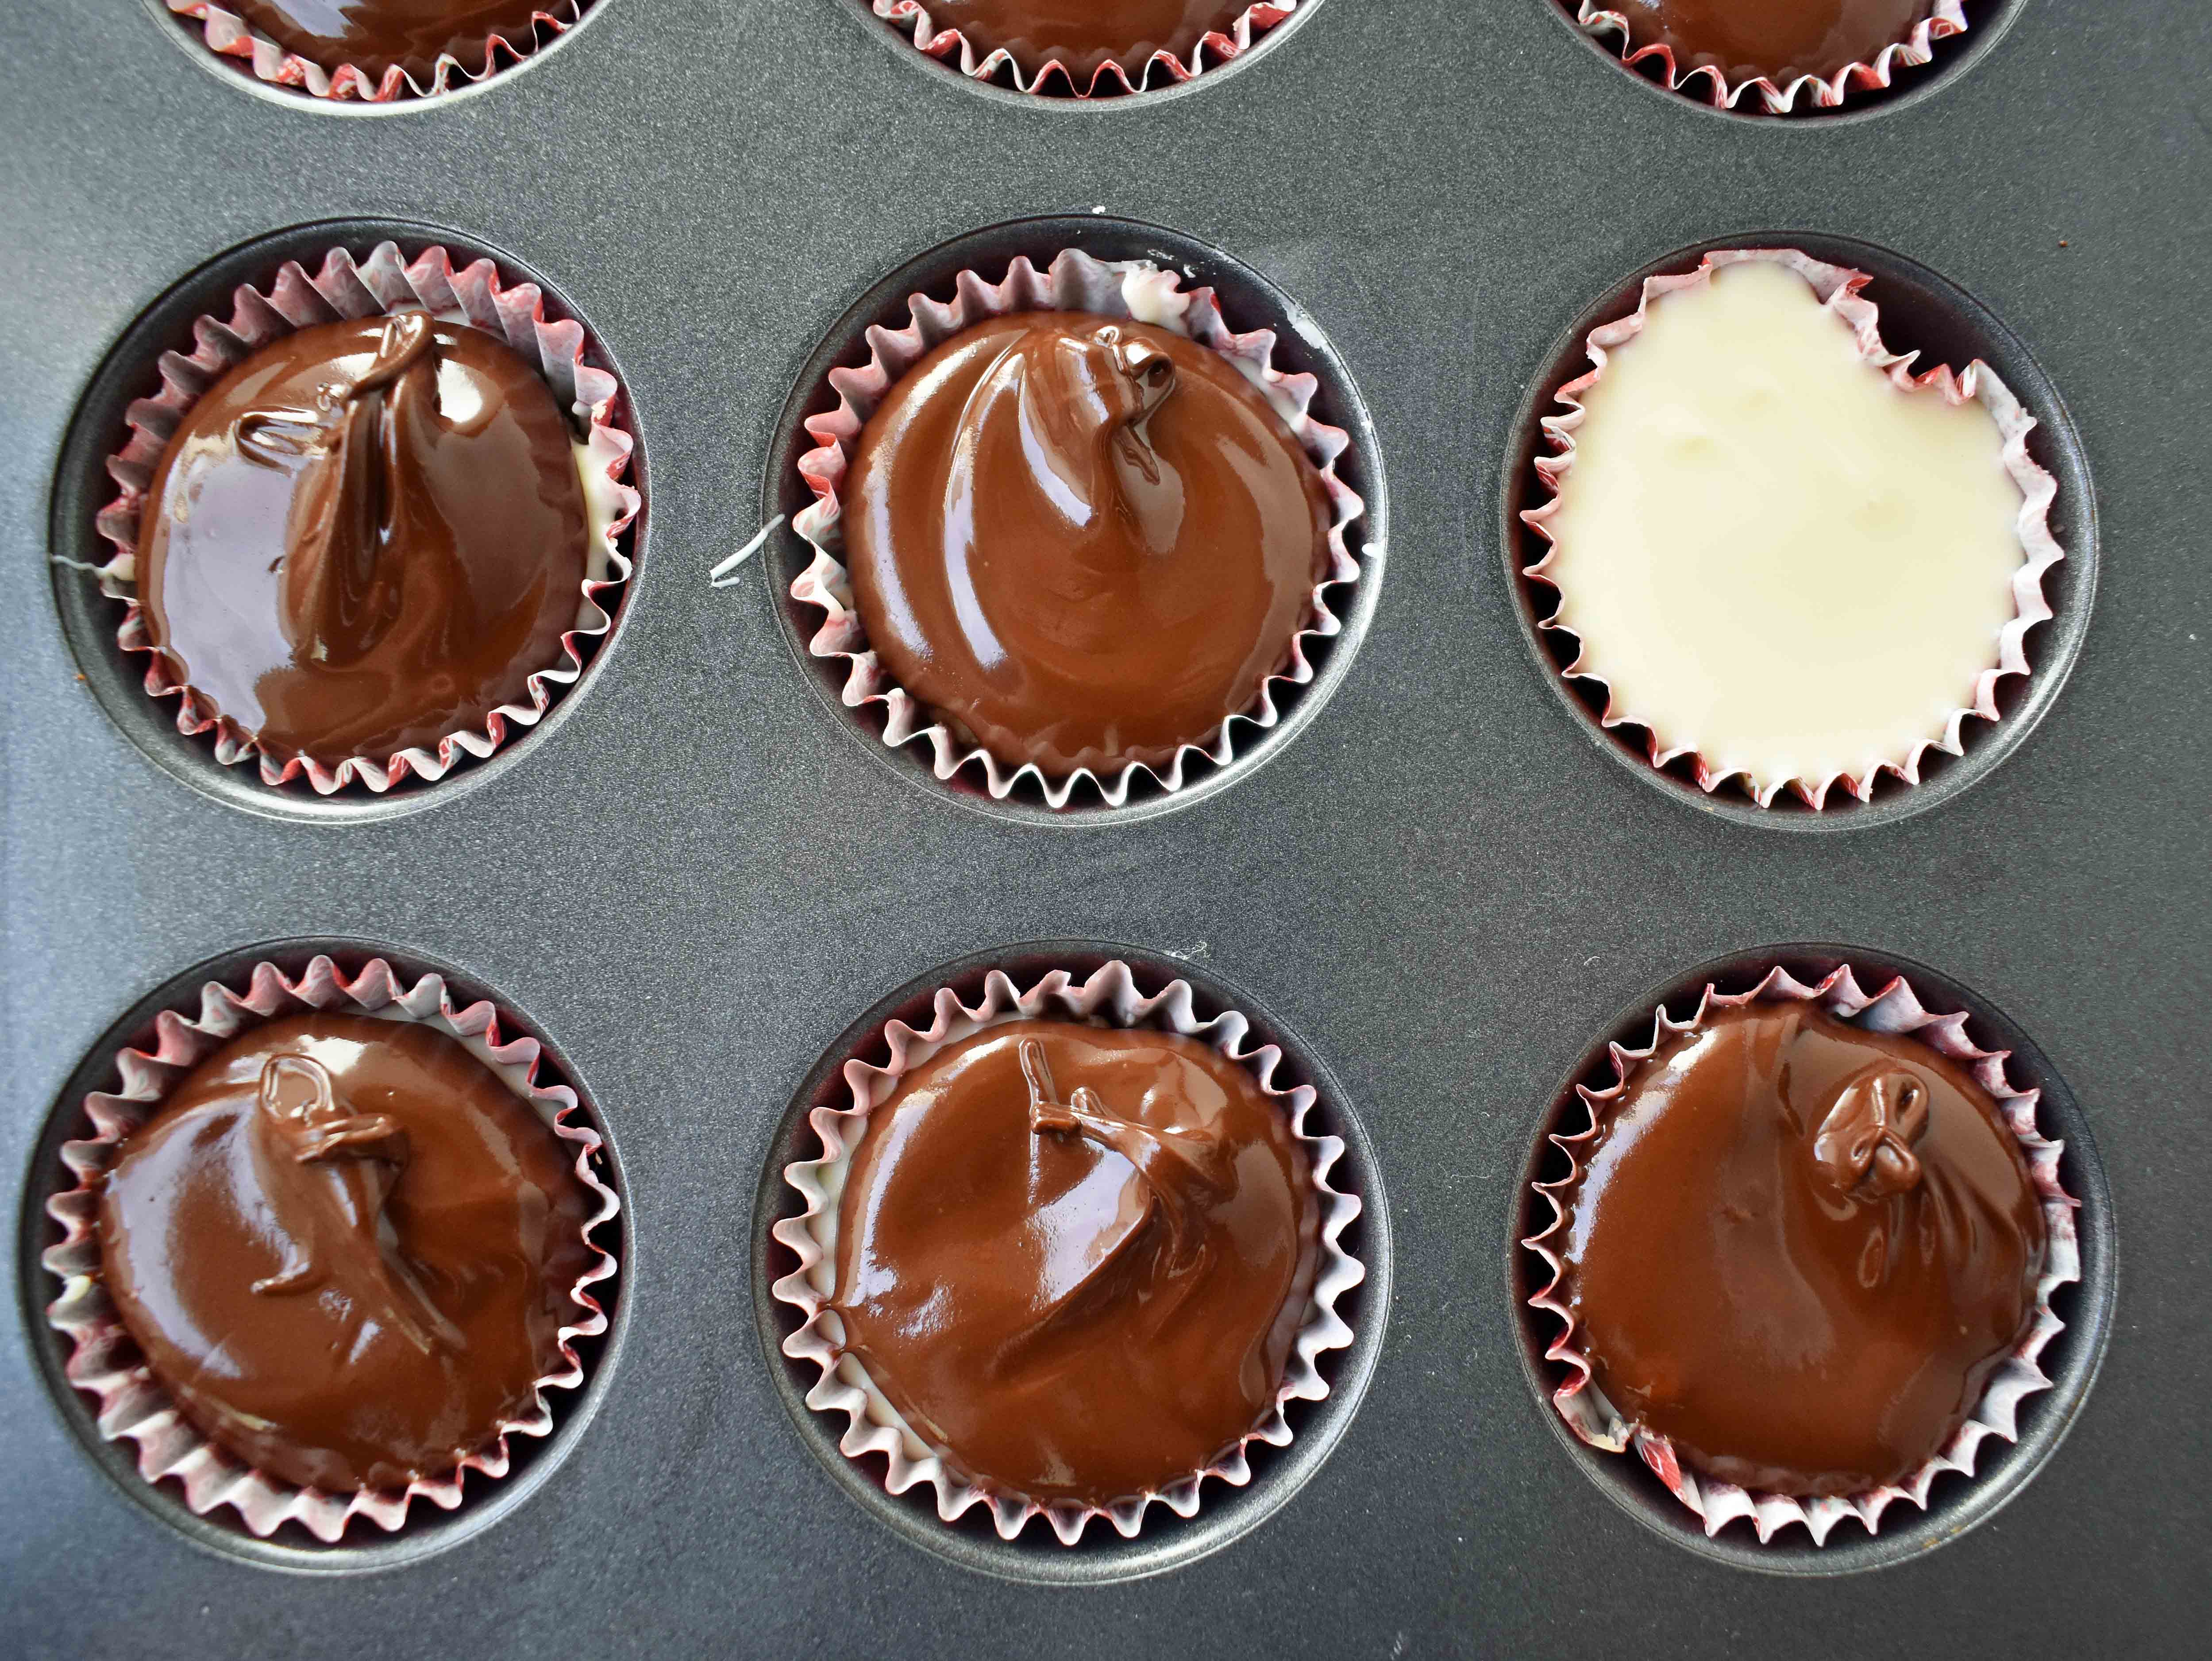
1073	282
1163	68
343	288
104	1360
1945	18
1109	994
1839	288
1895	1008
229	35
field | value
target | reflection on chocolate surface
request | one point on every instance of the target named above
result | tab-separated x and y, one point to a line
1075	1258
365	537
1800	1249
346	1249
1086	35
1780	39
1085	541
374	35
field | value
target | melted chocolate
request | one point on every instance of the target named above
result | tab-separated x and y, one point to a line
346	1247
1781	39
1075	1258
1083	540
365	537
1800	1249
374	35
1085	35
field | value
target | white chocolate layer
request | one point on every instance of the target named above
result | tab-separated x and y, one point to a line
1772	554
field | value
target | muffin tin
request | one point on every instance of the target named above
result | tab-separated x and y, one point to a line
698	883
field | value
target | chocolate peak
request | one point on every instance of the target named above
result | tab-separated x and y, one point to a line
328	1173
1865	1144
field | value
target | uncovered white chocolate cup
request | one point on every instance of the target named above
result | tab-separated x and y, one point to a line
1608	24
229	35
104	1360
1109	996
1838	289
1162	68
1895	1008
383	284
1073	282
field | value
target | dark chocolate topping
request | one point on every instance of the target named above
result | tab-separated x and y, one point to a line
1086	35
1075	1257
1780	39
374	35
1086	541
1800	1249
365	537
346	1249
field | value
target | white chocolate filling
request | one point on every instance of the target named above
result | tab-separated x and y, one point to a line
1772	553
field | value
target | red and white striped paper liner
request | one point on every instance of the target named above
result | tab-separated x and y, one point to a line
229	34
1839	288
1945	18
1896	1008
1109	996
344	288
1074	282
1162	68
105	1362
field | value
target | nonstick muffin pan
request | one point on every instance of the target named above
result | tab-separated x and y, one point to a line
699	880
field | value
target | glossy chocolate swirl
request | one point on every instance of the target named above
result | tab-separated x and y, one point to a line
374	35
1780	39
1085	35
1075	1257
365	537
1800	1249
346	1249
1083	541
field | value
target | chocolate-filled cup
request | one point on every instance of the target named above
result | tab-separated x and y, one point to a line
346	1163
1050	49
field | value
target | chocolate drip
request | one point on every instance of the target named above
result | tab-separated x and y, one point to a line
1800	1249
1072	1300
346	1249
1085	541
329	1175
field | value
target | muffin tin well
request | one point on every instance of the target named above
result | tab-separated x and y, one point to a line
82	488
1922	311
1247	301
2072	1359
363	1547
1986	23
1165	1541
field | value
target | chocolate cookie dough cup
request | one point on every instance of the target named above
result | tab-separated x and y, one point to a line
934	30
1073	282
1777	95
1837	289
230	35
105	1362
383	284
1109	998
1894	1009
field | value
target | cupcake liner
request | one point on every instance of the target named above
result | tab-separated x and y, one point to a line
1109	79
105	1362
1109	996
1945	18
1896	1008
1838	289
378	286
230	35
1074	282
